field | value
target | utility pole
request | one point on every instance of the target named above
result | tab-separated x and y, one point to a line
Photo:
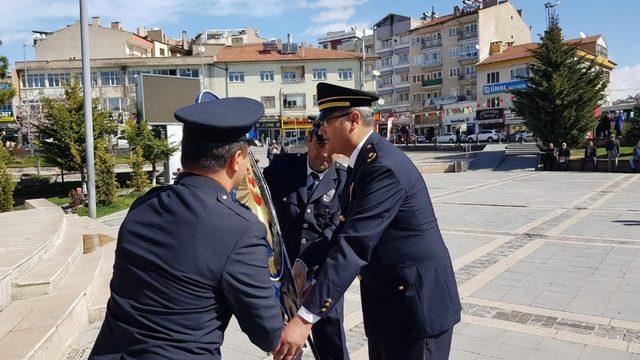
88	115
26	89
364	57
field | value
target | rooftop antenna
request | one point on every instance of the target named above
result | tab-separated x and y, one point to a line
582	35
551	12
430	15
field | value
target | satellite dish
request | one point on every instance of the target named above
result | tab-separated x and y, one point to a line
375	73
582	35
477	47
381	101
201	49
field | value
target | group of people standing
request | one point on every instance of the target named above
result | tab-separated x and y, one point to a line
558	159
189	256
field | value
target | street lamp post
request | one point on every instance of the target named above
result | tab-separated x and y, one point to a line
26	86
88	115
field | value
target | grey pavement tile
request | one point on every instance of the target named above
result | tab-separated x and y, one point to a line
561	347
482	332
462	355
520	339
233	354
506	351
598	353
543	355
469	343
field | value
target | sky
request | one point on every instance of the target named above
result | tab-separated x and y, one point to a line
306	20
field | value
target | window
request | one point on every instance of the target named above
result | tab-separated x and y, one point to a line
417	41
493	77
162	52
403	97
454	91
493	102
454	72
345	74
417	98
403	59
385	43
57	79
236	76
453	32
384	62
288	75
470	69
266	76
468	51
115	104
94	78
470	28
269	102
293	101
129	50
194	73
35	80
319	74
385	81
404	78
437	75
131	75
453	52
519	73
417	79
167	72
315	100
111	78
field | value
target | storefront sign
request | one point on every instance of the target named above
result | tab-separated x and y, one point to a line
292	122
490	114
268	123
504	87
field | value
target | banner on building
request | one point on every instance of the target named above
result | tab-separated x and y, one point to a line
504	87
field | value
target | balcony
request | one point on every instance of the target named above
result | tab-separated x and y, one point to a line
445	100
293	81
472	97
431	64
293	107
468	57
431	44
463	35
432	82
468	77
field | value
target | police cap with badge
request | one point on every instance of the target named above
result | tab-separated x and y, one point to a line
332	99
220	121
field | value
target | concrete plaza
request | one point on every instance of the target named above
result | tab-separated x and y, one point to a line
547	264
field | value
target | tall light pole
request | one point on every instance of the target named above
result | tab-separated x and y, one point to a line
88	115
201	51
26	86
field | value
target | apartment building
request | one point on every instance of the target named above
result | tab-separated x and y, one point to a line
443	55
282	76
505	69
392	45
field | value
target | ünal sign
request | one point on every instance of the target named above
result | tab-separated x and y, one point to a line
504	87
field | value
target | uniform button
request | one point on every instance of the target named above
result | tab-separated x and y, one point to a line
284	199
305	225
308	211
303	241
401	288
224	197
323	309
329	300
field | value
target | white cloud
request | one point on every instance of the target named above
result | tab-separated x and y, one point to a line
625	81
340	14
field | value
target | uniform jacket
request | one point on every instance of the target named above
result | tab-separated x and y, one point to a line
187	259
390	236
306	224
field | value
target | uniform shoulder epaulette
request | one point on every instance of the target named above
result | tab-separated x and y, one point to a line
340	166
371	153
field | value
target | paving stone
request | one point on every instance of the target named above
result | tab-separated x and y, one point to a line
598	353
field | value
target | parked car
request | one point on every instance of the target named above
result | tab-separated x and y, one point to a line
421	139
119	142
518	135
445	138
484	135
400	138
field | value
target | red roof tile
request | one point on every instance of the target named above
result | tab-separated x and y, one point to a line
256	53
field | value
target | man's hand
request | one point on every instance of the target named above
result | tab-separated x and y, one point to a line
299	275
293	337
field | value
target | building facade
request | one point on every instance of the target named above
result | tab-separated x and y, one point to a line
439	90
506	67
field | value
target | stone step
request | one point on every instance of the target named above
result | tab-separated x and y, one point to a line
44	327
27	237
45	275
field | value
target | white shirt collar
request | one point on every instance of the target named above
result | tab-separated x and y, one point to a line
309	170
354	154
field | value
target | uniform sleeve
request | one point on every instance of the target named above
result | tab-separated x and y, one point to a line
374	207
249	292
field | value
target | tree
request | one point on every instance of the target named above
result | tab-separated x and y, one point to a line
139	180
63	129
6	184
564	91
106	185
155	149
6	95
632	134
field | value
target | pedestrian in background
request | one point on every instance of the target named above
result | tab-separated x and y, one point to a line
590	157
272	150
550	158
635	158
564	154
613	152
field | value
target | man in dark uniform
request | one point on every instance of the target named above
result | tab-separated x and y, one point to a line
305	189
188	256
389	235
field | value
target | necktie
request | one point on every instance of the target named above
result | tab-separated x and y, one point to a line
312	183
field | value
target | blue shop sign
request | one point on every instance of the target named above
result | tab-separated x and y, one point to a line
504	87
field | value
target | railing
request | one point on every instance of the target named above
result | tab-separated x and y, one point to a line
293	81
294	107
472	97
467	35
431	43
468	56
468	77
431	64
432	82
